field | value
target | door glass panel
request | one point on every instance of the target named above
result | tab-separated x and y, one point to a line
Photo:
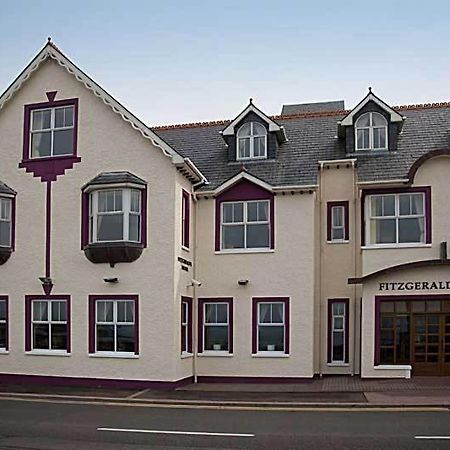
434	306
418	306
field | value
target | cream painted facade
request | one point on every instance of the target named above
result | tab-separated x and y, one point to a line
303	266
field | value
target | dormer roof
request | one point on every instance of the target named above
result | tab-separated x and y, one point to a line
370	97
230	130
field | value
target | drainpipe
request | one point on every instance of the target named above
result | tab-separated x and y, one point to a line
194	294
354	256
320	268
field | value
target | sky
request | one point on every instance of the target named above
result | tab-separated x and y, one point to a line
187	61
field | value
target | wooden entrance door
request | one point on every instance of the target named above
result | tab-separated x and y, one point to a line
431	344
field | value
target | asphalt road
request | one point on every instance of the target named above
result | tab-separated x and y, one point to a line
45	425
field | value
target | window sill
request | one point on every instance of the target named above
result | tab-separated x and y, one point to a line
338	364
185	355
394	246
393	367
339	242
241	250
48	353
186	249
270	355
114	355
3	351
220	354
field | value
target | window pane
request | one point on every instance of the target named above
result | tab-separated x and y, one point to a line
105	311
411	230
5	209
337	234
125	311
40	311
183	338
135	201
363	138
376	204
135	227
59	117
258	236
244	130
387	337
388	205
216	338
417	203
102	202
41	144
263	211
210	313
378	120
379	138
63	142
387	355
405	205
222	313
338	323
2	335
5	234
270	338
383	231
259	146
258	129
244	147
58	311
338	346
338	216
338	309
238	212
59	337
64	117
363	120
110	227
125	338
233	236
227	213
277	313
264	313
40	336
411	204
105	338
2	310
252	212
118	200
41	120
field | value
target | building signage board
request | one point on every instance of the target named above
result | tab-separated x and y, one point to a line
414	286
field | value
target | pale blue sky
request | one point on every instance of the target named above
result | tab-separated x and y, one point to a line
185	61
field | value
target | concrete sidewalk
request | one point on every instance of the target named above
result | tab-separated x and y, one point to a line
332	391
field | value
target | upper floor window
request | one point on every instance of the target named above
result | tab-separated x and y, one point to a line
115	215
5	222
52	132
252	141
337	221
371	132
245	225
185	219
396	218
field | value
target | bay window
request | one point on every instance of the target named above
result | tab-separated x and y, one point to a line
245	225
5	221
115	215
397	218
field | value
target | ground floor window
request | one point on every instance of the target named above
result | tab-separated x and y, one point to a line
270	325
47	323
414	330
113	324
215	325
338	331
3	323
186	325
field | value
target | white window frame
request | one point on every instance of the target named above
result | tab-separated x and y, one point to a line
49	322
115	323
245	223
396	216
185	327
52	130
4	322
8	201
343	331
126	211
270	324
251	137
371	129
216	324
338	227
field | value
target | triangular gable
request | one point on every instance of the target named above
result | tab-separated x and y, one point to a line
237	179
370	97
273	126
50	50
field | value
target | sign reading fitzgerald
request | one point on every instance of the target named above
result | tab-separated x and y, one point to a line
415	286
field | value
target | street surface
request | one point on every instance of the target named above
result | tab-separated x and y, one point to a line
54	425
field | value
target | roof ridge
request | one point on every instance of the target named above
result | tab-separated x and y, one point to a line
302	115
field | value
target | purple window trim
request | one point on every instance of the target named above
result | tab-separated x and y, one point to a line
244	191
201	302
85	199
5	299
255	302
331	302
93	298
426	190
330	206
190	316
391	298
186	211
48	168
28	322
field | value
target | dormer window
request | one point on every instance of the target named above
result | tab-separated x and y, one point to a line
371	132
252	141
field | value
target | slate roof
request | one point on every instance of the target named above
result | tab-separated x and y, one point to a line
5	189
313	107
312	137
115	177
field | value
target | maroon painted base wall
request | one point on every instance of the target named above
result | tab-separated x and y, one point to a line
254	380
92	382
